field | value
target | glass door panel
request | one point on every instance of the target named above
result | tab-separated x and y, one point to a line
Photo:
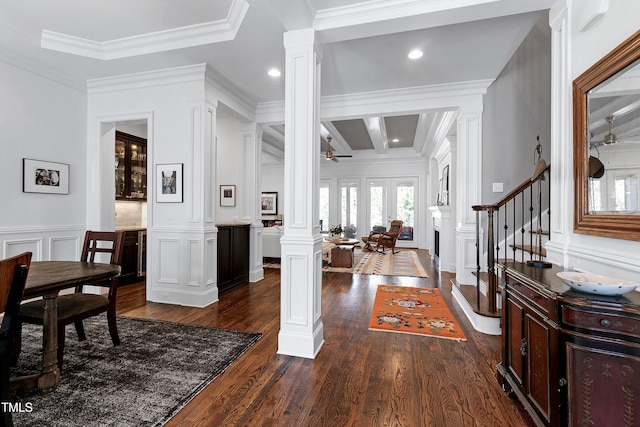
405	208
324	206
378	209
349	208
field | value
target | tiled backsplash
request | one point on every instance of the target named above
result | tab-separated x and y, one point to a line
131	214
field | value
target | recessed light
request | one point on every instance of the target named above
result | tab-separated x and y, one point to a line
395	140
415	54
274	72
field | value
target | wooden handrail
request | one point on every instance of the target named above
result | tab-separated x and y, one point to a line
493	246
525	184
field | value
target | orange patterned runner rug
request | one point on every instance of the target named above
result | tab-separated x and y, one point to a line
419	311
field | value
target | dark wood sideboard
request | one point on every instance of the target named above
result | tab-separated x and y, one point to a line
233	256
571	358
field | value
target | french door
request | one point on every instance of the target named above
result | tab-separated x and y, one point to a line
393	198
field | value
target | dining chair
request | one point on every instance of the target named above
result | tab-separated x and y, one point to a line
13	277
77	306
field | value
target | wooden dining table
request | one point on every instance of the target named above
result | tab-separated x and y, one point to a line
46	279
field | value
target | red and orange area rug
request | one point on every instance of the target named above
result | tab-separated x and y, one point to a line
419	311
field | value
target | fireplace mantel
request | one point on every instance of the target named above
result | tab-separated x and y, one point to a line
443	243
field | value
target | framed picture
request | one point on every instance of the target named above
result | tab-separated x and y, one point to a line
269	203
227	195
39	176
169	183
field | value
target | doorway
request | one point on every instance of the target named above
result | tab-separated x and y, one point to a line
393	198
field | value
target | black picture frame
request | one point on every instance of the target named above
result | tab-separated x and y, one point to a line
269	203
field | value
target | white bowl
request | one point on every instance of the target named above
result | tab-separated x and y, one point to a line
595	284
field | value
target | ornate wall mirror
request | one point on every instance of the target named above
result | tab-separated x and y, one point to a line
606	145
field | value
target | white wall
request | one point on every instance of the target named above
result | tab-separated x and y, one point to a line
181	238
230	165
273	181
43	120
614	257
516	111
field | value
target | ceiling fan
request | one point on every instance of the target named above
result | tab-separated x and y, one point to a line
330	155
610	138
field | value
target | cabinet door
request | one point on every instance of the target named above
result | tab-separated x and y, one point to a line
129	266
240	262
131	167
539	387
224	256
603	386
516	341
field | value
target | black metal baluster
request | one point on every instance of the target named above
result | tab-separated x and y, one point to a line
531	209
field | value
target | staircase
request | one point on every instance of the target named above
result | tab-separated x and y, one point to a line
516	228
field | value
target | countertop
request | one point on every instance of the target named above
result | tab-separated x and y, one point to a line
547	282
131	228
232	223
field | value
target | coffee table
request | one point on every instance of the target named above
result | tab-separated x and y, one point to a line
343	241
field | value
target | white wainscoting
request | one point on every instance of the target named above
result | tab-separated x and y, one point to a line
182	266
61	243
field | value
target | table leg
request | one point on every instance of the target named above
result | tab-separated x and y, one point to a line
50	375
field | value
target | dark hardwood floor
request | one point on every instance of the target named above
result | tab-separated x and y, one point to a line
359	378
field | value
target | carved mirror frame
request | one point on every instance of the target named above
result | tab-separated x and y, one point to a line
605	225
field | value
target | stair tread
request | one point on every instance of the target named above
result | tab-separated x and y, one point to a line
542	232
469	293
484	277
531	249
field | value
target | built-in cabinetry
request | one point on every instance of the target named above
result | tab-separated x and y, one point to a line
131	167
572	359
134	256
233	255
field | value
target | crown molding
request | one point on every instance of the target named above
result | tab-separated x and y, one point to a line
190	73
413	99
381	10
231	95
27	64
159	41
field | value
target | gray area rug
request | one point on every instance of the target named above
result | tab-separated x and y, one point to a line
155	371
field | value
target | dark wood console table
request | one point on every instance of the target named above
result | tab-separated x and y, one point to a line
572	359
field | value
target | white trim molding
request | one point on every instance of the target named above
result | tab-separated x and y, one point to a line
159	41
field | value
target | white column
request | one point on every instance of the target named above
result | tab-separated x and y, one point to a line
252	146
561	134
301	331
468	180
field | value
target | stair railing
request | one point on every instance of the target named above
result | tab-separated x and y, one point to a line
521	231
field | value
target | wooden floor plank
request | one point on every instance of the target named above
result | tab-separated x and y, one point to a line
360	377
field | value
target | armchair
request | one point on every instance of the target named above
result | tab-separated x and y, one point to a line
384	239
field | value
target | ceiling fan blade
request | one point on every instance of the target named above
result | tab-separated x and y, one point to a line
334	159
342	155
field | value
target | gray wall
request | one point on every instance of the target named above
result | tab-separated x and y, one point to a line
516	110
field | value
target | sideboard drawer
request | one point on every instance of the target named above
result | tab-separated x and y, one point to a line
539	300
599	321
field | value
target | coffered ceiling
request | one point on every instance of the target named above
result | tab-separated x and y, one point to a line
364	49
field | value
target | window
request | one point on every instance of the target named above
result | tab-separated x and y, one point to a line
626	193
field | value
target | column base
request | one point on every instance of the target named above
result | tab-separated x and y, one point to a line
298	345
